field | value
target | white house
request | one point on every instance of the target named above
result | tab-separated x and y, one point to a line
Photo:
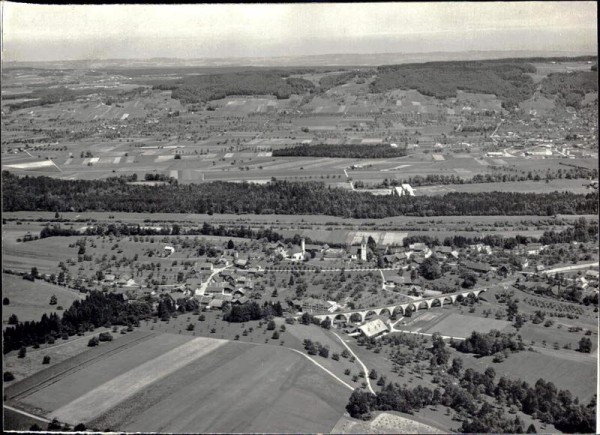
373	328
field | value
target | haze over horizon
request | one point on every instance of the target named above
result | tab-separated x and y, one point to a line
79	32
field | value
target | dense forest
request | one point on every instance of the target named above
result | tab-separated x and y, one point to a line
571	87
344	151
279	197
203	88
507	80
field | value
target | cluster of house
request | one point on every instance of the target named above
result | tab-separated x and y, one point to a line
306	251
230	286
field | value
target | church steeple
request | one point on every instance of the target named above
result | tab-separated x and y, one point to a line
363	249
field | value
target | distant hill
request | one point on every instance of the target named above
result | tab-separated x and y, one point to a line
346	59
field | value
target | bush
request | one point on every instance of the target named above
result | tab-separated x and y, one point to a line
324	352
5	301
46	360
275	335
80	427
105	336
190	327
22	352
8	376
13	320
93	342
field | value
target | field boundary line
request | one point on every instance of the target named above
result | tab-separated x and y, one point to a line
304	355
359	361
324	368
57	377
20	411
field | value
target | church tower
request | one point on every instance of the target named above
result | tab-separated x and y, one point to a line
363	249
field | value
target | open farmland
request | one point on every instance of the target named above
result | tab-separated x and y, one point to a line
221	241
152	386
29	300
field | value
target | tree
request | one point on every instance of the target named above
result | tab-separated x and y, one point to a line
469	281
8	376
22	352
93	342
360	403
13	320
54	425
456	368
5	301
271	325
324	352
274	293
531	429
430	269
46	359
585	345
230	244
326	323
306	319
80	427
373	374
275	335
53	300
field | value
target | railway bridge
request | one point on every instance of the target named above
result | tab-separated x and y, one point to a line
399	309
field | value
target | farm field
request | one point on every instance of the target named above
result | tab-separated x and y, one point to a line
575	186
178	383
30	300
458	325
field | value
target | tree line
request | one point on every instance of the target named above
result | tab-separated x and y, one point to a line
582	231
342	150
278	197
98	309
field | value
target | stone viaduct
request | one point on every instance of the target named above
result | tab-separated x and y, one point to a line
401	309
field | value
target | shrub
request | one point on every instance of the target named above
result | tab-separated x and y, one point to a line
93	342
105	336
22	352
8	376
46	360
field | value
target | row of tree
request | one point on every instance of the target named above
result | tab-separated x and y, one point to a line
278	197
344	151
98	309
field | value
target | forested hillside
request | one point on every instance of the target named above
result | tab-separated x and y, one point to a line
571	87
44	193
508	81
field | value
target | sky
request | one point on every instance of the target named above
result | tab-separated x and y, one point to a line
71	32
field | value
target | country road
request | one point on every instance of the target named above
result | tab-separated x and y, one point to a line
209	279
365	369
568	268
